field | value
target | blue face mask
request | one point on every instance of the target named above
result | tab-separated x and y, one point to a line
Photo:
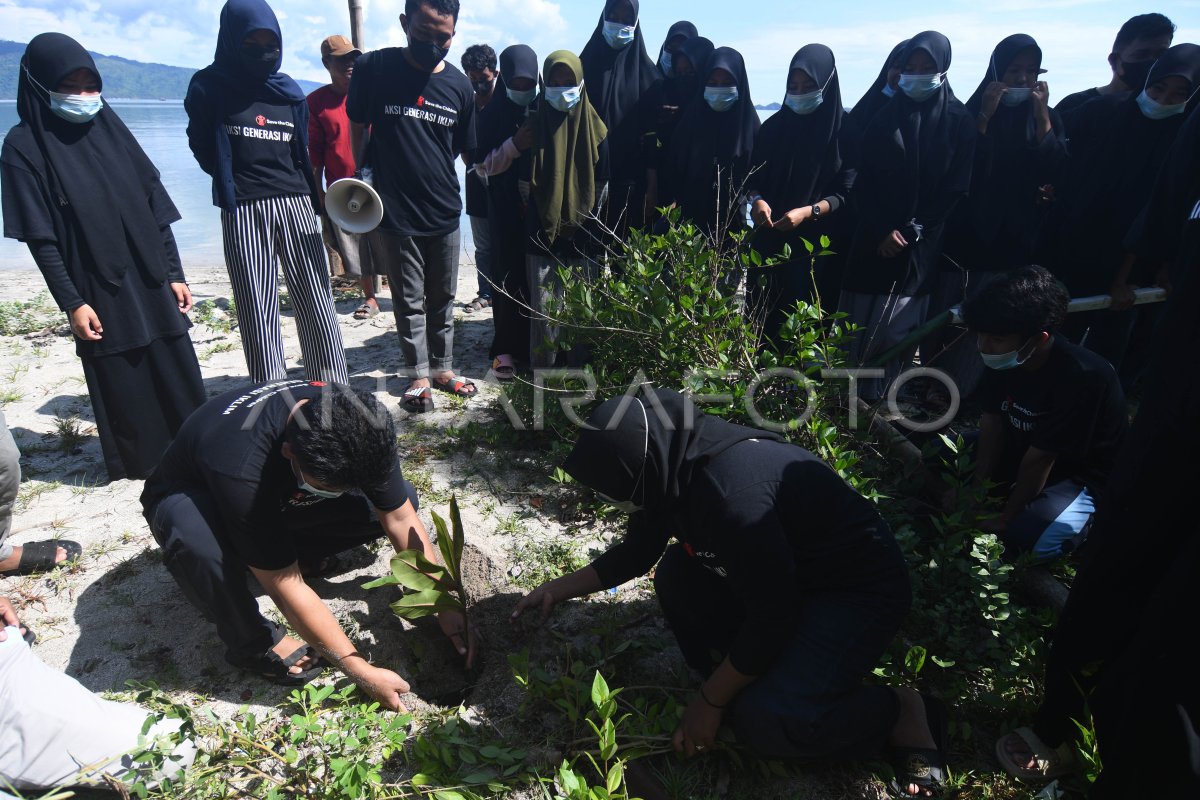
920	87
1152	109
1015	97
665	62
564	98
522	98
804	103
618	34
77	108
720	98
1005	361
888	91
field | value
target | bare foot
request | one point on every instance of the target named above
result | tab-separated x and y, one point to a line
912	730
420	383
60	555
287	645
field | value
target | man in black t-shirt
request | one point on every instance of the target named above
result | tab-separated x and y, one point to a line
276	479
1053	414
420	111
1139	43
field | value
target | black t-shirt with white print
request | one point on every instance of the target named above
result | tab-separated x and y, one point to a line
231	449
420	122
1071	406
263	164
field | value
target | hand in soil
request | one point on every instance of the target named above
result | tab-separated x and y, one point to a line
540	598
385	686
454	625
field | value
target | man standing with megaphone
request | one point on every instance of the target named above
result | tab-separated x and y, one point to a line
420	111
332	158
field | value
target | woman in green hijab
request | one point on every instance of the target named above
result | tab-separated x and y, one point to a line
568	180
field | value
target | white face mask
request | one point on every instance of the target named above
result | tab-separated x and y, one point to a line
1152	109
920	87
720	98
563	98
522	98
76	108
618	34
1015	97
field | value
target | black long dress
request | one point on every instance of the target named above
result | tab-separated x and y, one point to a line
90	205
508	206
616	81
798	161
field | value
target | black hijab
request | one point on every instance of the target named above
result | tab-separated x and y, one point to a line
911	144
616	80
501	117
1008	49
682	28
797	156
1174	204
866	108
705	137
648	450
698	50
97	166
239	18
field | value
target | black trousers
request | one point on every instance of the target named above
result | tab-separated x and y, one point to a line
812	703
197	552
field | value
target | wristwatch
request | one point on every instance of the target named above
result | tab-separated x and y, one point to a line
816	210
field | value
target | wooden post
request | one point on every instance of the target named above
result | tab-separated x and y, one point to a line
356	24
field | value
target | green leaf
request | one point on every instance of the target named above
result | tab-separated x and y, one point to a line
599	690
424	604
914	659
386	580
459	536
414	571
615	774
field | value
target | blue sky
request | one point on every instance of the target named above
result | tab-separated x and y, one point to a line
1075	35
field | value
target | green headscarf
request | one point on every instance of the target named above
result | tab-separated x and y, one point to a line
565	151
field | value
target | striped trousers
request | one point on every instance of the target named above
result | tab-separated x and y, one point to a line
258	236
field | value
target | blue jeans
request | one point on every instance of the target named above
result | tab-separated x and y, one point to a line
811	703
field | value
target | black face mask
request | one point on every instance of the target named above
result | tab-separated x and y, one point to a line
483	87
427	54
260	61
1136	73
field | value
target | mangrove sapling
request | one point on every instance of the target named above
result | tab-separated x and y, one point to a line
431	588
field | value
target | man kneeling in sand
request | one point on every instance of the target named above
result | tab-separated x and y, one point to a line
278	478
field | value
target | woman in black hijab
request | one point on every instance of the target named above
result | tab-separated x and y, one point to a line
1122	143
709	159
618	71
248	129
783	588
79	191
661	104
915	166
1020	154
801	181
882	90
504	140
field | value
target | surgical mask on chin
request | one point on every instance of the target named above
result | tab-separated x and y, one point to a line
564	98
1006	361
427	54
804	103
322	493
1015	97
618	34
1152	109
920	87
720	98
77	108
666	62
888	91
522	98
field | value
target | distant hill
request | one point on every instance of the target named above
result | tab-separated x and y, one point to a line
122	77
769	107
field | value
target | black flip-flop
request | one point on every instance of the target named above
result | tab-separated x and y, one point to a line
921	766
29	636
39	556
271	667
